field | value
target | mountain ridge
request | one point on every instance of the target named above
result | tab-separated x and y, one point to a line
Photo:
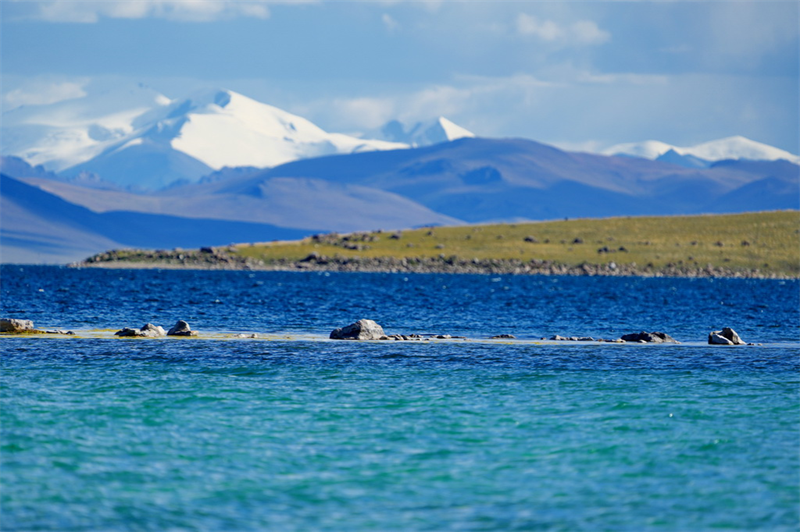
735	147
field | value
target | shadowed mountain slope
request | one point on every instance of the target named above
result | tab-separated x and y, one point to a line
36	226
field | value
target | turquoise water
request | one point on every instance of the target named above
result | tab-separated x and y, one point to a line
307	434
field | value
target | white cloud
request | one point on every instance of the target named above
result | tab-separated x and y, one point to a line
582	32
467	96
621	79
365	112
546	30
587	32
43	93
90	11
390	23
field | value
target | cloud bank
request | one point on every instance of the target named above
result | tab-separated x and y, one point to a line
582	32
180	10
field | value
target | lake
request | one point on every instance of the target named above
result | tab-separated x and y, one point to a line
295	432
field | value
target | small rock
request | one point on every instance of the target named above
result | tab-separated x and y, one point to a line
650	337
181	328
502	336
15	326
360	330
727	333
147	331
443	336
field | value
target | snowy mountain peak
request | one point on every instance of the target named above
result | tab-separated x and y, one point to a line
225	128
65	133
424	133
453	131
736	147
126	137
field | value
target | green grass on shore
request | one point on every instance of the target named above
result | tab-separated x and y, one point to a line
764	241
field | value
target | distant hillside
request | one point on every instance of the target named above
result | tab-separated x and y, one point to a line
480	180
764	244
39	227
467	180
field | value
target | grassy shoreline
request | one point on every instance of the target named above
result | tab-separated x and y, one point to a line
763	245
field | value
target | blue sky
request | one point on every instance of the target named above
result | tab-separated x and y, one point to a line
582	75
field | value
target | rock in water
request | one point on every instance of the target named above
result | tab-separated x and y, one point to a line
148	331
152	331
650	337
360	330
181	328
726	333
126	331
716	339
15	326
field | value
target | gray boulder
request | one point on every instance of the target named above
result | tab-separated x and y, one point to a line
15	326
152	331
717	339
147	331
728	334
650	337
181	328
360	330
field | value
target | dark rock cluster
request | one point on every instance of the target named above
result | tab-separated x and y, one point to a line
148	330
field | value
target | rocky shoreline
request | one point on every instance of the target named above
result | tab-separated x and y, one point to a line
229	259
365	329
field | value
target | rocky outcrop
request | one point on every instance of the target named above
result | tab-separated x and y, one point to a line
649	337
147	331
231	259
181	328
10	325
559	338
726	336
360	330
406	337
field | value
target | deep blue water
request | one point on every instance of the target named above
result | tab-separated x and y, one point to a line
303	434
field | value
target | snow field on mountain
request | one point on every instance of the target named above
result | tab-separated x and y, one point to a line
736	147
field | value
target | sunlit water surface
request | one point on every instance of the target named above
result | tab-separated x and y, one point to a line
298	433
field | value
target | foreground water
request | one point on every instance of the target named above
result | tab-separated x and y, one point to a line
297	433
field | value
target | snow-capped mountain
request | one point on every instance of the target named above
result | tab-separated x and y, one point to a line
728	148
141	138
224	128
63	134
423	133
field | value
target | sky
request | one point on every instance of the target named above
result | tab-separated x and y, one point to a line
580	75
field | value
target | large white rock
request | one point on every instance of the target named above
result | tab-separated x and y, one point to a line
148	331
728	334
15	326
360	330
717	339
